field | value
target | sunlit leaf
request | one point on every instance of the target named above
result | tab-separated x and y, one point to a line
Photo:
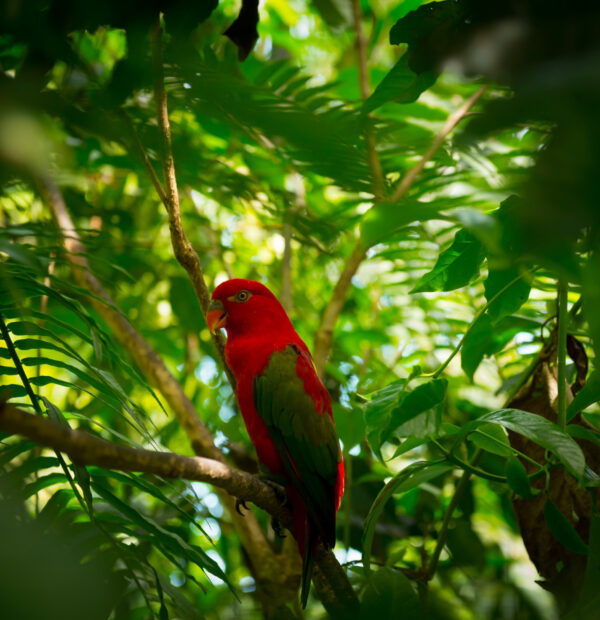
455	267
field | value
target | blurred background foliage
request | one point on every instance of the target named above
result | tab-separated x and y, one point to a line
452	314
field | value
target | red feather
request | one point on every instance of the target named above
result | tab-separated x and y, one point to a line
257	328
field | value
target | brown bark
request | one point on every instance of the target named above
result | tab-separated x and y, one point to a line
561	569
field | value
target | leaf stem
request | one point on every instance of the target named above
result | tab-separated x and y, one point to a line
474	322
563	318
468	466
17	362
441	541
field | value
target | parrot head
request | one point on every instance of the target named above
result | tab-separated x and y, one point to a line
244	306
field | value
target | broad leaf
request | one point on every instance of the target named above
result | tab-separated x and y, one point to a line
562	529
543	432
455	267
486	339
400	85
423	398
385	219
410	477
517	478
389	594
588	395
512	298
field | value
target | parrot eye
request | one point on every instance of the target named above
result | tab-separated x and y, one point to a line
242	296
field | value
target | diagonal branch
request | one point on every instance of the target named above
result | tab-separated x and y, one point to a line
451	122
324	336
184	252
147	359
86	449
155	370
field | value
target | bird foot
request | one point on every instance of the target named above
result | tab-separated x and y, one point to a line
277	527
276	484
241	503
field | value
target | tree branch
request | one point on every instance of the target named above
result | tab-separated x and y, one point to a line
86	449
365	91
141	351
184	252
154	369
409	178
324	336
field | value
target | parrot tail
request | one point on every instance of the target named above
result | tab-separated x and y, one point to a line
308	560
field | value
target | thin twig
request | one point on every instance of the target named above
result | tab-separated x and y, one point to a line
409	178
146	163
324	334
563	318
184	252
365	91
441	540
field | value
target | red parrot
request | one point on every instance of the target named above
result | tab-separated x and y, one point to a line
286	409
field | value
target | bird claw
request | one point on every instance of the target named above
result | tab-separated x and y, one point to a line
281	495
277	527
240	503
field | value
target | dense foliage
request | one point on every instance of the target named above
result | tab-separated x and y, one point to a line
417	182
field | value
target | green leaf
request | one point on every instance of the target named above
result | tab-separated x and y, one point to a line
385	219
335	13
491	438
542	432
186	307
409	444
81	473
486	339
172	542
562	529
410	477
517	478
400	85
455	267
423	398
465	545
512	298
589	593
12	391
350	425
389	594
43	482
378	412
588	395
424	425
144	484
405	7
581	432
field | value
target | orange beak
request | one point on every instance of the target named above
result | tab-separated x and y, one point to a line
216	315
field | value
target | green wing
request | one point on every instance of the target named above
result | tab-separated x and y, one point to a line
306	440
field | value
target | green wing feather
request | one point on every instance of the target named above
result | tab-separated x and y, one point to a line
306	440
